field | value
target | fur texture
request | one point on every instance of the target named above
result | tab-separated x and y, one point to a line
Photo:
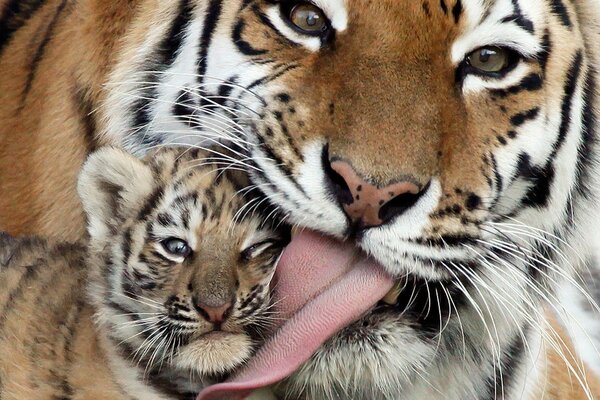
507	164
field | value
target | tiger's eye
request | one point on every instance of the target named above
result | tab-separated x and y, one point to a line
308	18
490	59
177	247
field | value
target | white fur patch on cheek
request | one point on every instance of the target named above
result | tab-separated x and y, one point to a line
313	206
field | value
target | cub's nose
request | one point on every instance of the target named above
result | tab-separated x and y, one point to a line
216	314
366	204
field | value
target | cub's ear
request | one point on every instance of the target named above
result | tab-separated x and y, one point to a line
112	185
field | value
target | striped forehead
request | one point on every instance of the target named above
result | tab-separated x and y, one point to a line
527	14
182	210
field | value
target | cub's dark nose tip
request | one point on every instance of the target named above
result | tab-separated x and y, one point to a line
366	204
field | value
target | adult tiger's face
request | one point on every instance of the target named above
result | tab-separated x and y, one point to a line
423	130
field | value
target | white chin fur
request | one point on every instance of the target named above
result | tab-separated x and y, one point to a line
372	368
215	355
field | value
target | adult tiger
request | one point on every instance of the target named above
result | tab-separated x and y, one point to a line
453	140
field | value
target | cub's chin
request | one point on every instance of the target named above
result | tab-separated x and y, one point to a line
215	353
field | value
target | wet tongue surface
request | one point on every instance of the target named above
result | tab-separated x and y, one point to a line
323	286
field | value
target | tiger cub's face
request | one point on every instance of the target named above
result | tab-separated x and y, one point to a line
182	263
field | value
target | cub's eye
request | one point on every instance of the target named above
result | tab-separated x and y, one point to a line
307	17
492	60
257	249
177	247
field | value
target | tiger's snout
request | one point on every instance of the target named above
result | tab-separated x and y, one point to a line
368	205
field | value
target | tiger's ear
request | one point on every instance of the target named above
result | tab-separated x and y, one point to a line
112	185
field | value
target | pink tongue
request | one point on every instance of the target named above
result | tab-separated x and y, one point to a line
323	286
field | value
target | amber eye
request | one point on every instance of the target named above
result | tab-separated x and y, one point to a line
492	60
308	18
177	247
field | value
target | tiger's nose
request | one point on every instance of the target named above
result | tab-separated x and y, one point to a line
366	204
216	314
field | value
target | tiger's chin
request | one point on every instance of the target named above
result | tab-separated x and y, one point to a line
383	353
215	353
378	356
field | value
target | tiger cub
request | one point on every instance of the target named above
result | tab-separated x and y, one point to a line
170	294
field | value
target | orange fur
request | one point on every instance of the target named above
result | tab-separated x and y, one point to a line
46	133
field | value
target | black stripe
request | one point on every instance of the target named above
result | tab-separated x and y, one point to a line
457	11
159	256
166	386
546	50
589	141
15	15
184	107
67	389
166	53
281	164
31	272
444	6
8	248
39	53
126	246
121	309
518	18
499	384
540	179
171	44
165	219
543	178
559	9
522	117
498	180
85	111
243	46
567	104
259	177
219	101
213	13
270	78
530	83
151	203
